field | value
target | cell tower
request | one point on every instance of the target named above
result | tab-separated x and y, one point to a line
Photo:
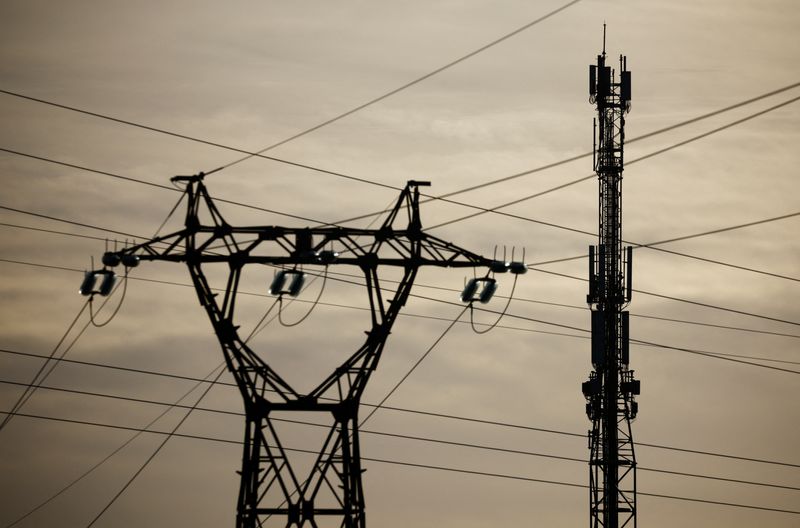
272	490
611	388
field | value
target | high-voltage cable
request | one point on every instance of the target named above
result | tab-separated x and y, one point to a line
484	210
453	443
478	421
411	464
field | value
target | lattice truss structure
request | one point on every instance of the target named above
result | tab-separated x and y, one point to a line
611	389
273	492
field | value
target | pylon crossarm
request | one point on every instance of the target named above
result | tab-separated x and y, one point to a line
395	249
215	241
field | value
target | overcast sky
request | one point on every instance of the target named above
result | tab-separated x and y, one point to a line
250	74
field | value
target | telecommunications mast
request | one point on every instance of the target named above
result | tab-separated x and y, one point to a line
611	388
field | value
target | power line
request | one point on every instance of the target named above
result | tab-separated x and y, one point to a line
683	237
429	413
30	387
724	356
41	375
410	464
335	305
53	232
155	452
454	193
713	355
44	372
496	209
402	436
177	426
521	299
726	264
697	303
261	152
700	352
481	210
110	455
628	141
403	87
434	318
143	182
413	367
71	222
722	230
530	267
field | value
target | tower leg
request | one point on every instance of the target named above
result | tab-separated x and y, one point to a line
330	494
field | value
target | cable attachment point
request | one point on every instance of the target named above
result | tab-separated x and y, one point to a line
194	178
479	289
287	282
517	267
106	278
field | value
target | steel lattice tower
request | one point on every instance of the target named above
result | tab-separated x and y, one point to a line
274	491
611	388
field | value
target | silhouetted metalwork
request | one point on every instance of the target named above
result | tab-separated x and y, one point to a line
272	490
611	388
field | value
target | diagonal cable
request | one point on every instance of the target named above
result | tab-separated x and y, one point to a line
401	88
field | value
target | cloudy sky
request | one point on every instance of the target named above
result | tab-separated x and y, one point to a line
251	74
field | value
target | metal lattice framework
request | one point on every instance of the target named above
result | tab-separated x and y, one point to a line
272	491
611	388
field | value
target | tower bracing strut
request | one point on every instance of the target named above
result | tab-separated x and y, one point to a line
273	491
611	389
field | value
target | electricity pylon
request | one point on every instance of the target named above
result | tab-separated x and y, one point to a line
272	491
611	388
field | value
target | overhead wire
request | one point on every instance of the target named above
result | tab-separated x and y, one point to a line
496	209
688	301
453	193
709	354
413	368
109	456
521	299
424	439
499	317
682	237
406	314
261	152
223	200
30	387
627	141
41	375
154	453
482	210
111	317
170	435
479	421
143	182
425	466
80	224
52	360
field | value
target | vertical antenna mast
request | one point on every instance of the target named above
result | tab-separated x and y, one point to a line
611	388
